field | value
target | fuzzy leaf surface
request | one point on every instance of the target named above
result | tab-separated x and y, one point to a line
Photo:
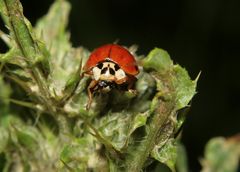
222	155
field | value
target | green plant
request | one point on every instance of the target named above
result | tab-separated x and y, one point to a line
222	155
51	130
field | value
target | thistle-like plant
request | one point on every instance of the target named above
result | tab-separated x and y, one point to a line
44	125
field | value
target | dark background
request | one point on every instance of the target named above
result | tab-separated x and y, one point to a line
201	35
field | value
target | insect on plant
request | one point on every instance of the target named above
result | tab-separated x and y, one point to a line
110	66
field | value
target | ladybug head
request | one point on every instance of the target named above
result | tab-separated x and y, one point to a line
108	71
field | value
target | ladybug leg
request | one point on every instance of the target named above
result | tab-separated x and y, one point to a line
86	73
90	90
131	81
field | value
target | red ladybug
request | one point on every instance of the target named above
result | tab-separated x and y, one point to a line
111	66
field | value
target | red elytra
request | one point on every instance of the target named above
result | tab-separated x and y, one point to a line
115	53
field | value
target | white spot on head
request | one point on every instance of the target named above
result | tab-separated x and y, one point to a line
96	73
120	74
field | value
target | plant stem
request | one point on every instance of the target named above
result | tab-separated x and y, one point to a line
163	108
25	42
139	156
19	28
30	50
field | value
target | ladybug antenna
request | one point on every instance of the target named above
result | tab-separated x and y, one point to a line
116	41
133	48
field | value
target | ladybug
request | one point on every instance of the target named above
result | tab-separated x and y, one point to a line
110	66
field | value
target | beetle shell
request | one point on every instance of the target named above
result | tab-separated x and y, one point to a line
115	53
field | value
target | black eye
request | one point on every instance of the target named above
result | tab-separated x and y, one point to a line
104	70
116	67
100	65
112	72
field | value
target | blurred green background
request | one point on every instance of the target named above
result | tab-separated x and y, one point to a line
201	35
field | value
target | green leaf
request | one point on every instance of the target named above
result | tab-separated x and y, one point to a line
139	120
5	92
114	128
118	127
52	29
221	155
181	164
159	60
8	120
52	26
10	57
65	71
4	13
185	88
78	150
4	136
166	154
64	60
27	137
79	154
20	134
146	87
